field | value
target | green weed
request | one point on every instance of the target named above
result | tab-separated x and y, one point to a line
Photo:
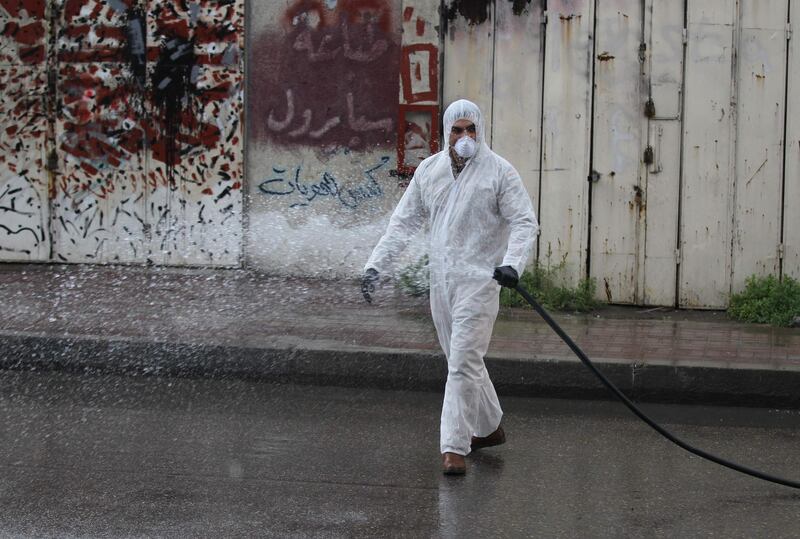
414	279
548	287
546	284
766	300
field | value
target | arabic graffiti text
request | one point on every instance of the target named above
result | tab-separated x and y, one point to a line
284	183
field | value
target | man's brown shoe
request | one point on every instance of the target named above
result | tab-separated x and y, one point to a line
453	464
496	438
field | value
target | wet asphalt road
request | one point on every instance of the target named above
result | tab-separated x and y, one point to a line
152	457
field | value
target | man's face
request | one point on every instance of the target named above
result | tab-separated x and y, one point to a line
462	128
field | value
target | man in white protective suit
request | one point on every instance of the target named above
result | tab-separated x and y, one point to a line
481	230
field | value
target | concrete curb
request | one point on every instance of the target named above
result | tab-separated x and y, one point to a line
395	369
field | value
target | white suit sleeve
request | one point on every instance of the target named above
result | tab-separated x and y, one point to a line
407	219
516	208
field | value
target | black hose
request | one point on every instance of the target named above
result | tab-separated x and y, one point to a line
641	415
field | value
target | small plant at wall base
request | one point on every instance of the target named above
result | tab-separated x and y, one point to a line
414	280
766	300
548	287
546	284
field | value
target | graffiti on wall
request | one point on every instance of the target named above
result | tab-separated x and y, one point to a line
418	136
22	32
147	111
330	77
171	66
286	183
23	130
418	122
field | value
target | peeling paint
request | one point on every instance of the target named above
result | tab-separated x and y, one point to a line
519	6
474	11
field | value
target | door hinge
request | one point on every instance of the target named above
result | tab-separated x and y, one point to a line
52	161
677	256
649	155
544	17
780	251
52	80
788	31
685	36
650	108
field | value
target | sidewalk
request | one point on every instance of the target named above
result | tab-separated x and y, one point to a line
236	323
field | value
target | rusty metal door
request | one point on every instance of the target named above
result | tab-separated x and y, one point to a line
664	36
636	150
760	113
618	189
566	137
791	208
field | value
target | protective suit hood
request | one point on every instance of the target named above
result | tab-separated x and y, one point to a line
467	110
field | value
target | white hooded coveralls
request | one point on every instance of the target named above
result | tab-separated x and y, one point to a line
481	220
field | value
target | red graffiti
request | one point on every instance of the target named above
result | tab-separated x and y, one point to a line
418	136
165	96
331	79
34	8
29	36
419	85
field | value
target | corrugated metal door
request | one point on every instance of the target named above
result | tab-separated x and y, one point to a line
138	106
638	64
664	35
760	112
469	59
99	198
517	102
708	141
791	198
618	197
24	213
563	208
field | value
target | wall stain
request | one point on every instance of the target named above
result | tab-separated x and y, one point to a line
638	200
519	6
474	11
477	11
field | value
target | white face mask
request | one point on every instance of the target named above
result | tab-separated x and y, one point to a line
466	147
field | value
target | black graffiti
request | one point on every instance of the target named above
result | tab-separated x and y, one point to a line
327	187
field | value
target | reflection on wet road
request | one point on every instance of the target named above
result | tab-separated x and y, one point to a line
153	457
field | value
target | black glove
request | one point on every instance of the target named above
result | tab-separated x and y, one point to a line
368	283
506	276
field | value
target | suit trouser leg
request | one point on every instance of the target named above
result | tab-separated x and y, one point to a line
470	407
